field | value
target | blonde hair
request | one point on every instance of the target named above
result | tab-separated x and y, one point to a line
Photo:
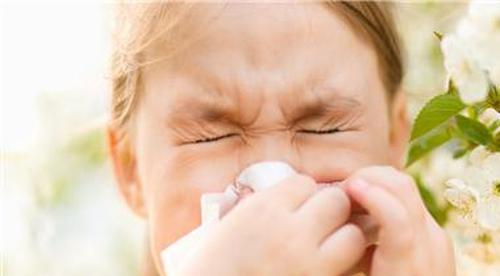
139	26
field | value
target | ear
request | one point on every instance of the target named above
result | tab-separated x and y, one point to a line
125	170
400	129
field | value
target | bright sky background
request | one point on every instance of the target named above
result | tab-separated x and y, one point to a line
53	83
54	47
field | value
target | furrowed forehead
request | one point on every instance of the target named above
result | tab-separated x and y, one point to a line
208	99
216	81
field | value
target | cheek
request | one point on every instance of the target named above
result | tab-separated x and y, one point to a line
174	183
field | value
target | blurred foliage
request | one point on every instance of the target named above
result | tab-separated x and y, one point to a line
90	147
438	211
68	163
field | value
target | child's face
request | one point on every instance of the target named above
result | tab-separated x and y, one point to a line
263	79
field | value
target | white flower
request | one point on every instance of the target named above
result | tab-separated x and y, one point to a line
478	192
469	78
480	28
460	195
486	15
488	213
478	155
484	178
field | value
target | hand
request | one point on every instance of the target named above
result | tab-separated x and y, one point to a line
410	242
289	229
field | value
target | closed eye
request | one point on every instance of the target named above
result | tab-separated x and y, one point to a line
326	131
211	139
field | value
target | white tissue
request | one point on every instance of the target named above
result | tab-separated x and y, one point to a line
211	204
174	255
263	175
258	176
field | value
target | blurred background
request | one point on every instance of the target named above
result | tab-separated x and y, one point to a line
60	211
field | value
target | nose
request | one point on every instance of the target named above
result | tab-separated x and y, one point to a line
277	146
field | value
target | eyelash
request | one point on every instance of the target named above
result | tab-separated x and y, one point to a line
308	131
320	132
212	139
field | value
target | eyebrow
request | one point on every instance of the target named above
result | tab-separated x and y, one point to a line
226	108
213	107
312	106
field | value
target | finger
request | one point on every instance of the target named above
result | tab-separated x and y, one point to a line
397	183
291	192
324	212
368	224
396	227
342	249
355	207
363	266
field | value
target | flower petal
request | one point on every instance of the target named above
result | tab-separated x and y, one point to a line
491	164
488	213
469	78
478	155
479	180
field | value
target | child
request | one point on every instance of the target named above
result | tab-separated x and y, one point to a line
200	91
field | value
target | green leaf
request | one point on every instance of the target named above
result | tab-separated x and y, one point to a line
437	111
473	130
439	213
426	143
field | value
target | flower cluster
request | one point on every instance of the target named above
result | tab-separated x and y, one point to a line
471	53
472	60
467	118
477	192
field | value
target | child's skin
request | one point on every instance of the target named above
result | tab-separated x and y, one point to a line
264	78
